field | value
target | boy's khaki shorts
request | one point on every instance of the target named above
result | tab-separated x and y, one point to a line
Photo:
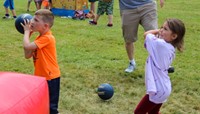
145	15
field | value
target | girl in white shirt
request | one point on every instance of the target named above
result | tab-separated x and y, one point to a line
160	45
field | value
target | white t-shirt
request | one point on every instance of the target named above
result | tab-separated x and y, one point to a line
157	81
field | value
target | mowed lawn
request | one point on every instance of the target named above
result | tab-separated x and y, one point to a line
91	55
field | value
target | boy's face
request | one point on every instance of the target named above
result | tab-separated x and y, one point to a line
37	24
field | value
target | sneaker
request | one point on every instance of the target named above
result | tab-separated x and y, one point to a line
14	17
130	68
6	17
92	23
109	25
170	69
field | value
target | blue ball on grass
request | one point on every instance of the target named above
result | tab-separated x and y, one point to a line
105	91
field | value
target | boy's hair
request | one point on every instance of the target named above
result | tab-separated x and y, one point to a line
46	16
177	27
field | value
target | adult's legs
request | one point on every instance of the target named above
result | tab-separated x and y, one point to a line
130	23
28	5
149	19
130	50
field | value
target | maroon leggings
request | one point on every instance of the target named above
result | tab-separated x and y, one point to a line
147	107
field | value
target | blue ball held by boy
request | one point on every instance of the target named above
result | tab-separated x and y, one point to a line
105	91
20	19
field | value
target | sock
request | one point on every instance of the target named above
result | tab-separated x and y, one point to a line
7	15
132	62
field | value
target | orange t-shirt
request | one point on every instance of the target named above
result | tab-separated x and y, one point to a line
45	58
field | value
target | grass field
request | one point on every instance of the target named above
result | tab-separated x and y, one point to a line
91	55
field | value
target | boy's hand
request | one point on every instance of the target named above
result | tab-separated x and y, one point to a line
26	25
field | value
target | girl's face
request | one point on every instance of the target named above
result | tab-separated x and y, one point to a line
166	34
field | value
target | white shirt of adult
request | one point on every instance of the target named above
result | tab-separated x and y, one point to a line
157	81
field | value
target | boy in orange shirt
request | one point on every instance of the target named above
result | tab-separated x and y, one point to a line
43	51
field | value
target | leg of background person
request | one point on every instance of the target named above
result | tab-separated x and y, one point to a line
7	11
28	5
149	19
37	5
40	4
12	9
92	6
130	23
97	18
94	21
14	13
110	19
6	5
50	4
130	50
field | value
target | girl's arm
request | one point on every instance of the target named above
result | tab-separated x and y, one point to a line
155	32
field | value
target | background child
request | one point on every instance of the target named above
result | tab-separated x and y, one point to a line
10	4
37	4
160	45
104	6
43	51
50	4
92	5
45	4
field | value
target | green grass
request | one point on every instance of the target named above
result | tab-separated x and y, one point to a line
91	55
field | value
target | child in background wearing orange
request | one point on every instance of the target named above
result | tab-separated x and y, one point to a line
45	4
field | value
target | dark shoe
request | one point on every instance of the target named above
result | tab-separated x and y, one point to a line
14	17
6	17
171	69
92	23
109	25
